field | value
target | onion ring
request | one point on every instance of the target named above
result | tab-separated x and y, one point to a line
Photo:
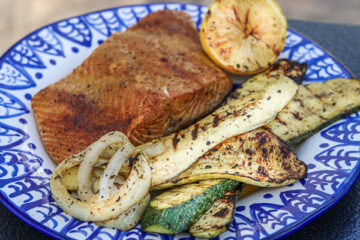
119	180
129	218
135	188
101	162
112	170
110	151
91	158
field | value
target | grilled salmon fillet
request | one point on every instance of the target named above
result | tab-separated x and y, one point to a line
147	82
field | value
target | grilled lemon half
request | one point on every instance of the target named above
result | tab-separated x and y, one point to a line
243	36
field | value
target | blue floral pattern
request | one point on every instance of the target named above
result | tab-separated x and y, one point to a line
45	41
74	29
13	77
23	55
25	168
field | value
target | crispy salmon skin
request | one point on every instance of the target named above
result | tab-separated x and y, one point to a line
147	82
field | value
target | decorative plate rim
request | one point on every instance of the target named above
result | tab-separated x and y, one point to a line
313	216
286	231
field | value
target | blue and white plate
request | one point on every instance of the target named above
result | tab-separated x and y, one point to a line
50	53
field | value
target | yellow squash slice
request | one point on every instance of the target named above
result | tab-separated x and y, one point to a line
257	158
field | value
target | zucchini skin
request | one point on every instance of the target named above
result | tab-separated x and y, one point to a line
179	218
300	138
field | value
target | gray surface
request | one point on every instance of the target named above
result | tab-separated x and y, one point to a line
343	220
341	41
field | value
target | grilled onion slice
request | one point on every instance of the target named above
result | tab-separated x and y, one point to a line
91	158
130	218
135	188
106	181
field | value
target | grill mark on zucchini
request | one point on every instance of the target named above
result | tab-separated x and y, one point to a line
297	116
292	69
216	120
175	140
222	213
300	101
194	132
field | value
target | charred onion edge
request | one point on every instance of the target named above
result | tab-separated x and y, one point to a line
128	219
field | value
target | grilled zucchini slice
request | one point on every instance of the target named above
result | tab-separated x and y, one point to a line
284	67
218	218
314	107
174	211
258	158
